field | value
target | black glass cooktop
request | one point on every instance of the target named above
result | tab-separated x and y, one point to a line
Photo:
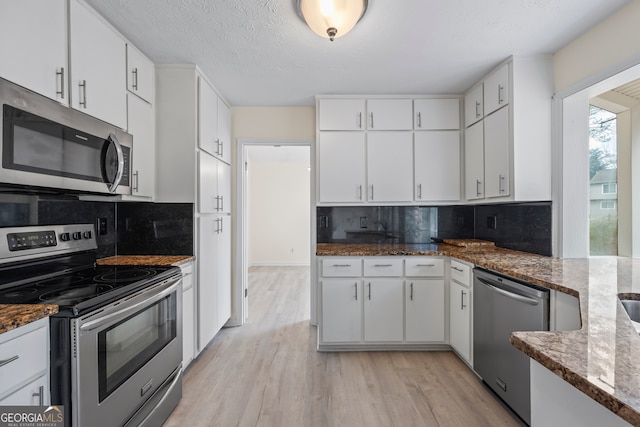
85	288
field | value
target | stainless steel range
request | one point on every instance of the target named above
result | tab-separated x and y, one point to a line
116	342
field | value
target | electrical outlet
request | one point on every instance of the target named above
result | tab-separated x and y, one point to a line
492	222
102	226
364	222
324	222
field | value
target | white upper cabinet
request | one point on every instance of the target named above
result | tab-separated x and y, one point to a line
141	126
437	165
496	90
496	154
341	114
33	42
224	132
207	117
341	159
98	83
436	114
390	166
140	74
474	161
473	106
389	114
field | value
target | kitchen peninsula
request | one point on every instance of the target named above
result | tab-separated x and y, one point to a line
601	358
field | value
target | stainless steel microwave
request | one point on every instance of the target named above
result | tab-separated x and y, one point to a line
47	145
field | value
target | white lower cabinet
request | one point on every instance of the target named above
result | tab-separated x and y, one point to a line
188	314
24	352
342	310
374	302
383	310
460	300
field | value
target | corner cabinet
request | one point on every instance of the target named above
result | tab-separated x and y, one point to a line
25	369
381	303
508	132
182	114
396	150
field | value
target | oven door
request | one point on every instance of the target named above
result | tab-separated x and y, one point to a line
125	353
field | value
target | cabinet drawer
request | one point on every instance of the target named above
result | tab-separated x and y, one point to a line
424	267
382	267
460	272
25	356
342	267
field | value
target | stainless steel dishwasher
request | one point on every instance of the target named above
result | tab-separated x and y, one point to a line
502	305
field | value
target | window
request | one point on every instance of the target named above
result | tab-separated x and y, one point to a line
610	188
608	204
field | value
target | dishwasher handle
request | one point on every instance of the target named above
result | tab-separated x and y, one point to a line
517	297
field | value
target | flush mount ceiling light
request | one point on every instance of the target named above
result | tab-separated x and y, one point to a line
332	18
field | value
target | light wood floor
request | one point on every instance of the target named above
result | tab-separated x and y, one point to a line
268	373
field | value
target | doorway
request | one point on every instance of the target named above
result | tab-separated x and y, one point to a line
275	212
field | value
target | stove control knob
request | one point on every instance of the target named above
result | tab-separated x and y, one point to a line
77	235
64	237
86	234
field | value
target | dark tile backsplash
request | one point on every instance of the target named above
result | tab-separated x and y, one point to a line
520	226
155	228
132	228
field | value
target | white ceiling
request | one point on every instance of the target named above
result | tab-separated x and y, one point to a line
259	52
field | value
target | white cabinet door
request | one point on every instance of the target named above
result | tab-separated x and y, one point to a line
30	394
224	188
223	148
390	166
389	114
424	310
437	165
473	106
436	114
141	126
474	162
187	327
98	58
140	74
207	295
341	114
383	310
341	310
207	117
496	153
208	201
460	319
496	90
341	160
33	42
223	265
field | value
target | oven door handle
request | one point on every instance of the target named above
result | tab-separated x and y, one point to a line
94	324
517	297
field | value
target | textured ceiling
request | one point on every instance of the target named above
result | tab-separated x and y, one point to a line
259	52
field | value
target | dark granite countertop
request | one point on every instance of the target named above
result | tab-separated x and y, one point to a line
13	316
602	359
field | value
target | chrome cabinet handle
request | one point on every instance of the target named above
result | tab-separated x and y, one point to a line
371	191
477	109
419	119
426	265
40	395
61	74
83	89
457	269
221	148
134	84
462	306
360	192
9	360
369	290
355	286
219	226
478	187
360	120
411	293
135	181
383	265
341	265
501	188
371	114
500	90
419	191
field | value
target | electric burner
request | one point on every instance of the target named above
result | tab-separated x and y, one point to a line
73	295
129	274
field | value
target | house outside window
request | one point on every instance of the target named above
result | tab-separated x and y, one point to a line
608	204
610	188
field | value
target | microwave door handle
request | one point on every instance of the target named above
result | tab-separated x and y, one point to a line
114	140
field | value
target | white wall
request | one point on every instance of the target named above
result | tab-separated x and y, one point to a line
279	208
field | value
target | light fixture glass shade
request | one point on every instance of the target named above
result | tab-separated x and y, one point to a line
332	18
